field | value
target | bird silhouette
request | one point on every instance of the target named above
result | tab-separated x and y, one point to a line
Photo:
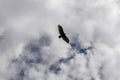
62	34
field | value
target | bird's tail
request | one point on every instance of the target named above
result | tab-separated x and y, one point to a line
59	36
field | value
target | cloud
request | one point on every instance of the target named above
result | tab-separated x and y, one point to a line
30	48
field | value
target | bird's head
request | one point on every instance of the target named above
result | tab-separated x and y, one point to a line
58	24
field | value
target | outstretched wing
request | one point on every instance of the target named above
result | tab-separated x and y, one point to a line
65	38
60	29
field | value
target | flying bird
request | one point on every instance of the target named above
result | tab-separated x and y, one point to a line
62	34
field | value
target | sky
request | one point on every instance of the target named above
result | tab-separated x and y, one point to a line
31	50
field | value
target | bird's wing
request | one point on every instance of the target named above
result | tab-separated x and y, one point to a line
65	38
60	29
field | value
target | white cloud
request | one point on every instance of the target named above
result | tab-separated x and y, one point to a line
29	43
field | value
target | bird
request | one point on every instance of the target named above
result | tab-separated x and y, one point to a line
62	34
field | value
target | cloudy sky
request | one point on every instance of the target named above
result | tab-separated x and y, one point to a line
31	50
